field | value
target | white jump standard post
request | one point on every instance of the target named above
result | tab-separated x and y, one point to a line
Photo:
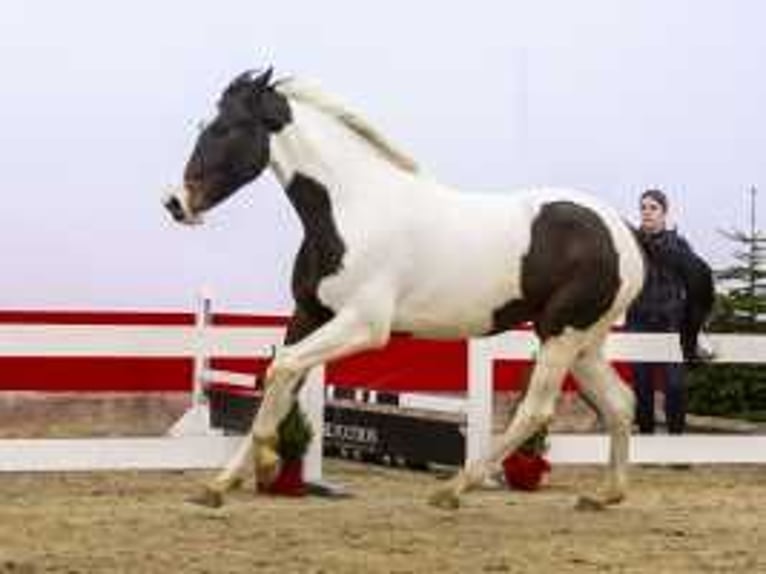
478	441
196	420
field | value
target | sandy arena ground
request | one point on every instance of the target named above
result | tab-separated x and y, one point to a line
707	519
701	520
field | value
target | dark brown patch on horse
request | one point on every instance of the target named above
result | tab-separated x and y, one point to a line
321	252
570	275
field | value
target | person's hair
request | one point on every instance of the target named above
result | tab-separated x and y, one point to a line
657	195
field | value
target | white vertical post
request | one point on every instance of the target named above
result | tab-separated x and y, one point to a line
311	399
202	320
479	409
196	420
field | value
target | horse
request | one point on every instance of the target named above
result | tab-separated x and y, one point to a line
388	248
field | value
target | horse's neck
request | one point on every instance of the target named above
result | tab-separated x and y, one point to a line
317	146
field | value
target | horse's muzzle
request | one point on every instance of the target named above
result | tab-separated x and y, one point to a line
173	205
178	212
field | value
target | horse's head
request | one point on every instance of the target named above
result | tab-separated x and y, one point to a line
233	149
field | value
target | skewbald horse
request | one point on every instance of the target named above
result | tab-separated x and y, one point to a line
387	248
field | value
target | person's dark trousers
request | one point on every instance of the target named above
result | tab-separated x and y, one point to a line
672	375
643	386
675	397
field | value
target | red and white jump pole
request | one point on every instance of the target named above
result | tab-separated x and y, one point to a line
202	340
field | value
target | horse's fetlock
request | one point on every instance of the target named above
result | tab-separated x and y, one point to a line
537	418
283	367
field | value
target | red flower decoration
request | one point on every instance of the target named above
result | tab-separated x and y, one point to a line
525	471
289	479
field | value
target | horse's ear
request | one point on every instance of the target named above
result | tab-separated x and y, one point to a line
250	80
262	80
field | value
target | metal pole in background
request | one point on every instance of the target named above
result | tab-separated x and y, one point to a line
752	259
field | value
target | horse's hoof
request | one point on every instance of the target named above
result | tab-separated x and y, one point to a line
208	498
614	499
598	503
266	465
444	498
590	504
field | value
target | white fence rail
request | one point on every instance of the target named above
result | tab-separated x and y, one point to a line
190	445
202	341
136	341
93	454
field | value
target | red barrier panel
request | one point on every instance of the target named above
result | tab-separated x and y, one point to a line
96	318
96	374
89	374
406	364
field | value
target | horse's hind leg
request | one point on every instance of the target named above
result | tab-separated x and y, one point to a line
602	386
536	409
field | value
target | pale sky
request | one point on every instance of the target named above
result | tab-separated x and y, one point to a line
100	101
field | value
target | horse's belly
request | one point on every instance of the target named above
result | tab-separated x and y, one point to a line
457	281
437	327
451	313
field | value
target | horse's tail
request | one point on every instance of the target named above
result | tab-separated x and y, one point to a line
697	279
700	297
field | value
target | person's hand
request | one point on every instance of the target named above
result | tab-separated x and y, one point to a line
697	353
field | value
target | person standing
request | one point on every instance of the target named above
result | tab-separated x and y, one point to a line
659	308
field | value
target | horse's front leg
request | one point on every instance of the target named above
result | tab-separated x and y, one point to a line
281	385
348	332
303	322
280	389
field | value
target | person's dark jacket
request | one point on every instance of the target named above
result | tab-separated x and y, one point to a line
660	304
